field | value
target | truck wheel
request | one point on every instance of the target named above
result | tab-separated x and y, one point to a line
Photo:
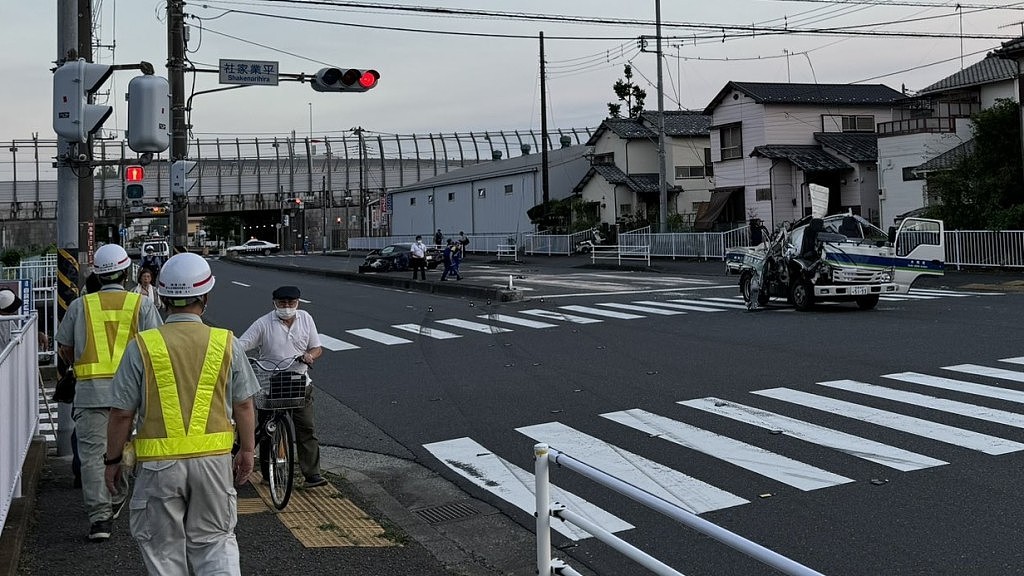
867	302
802	295
745	278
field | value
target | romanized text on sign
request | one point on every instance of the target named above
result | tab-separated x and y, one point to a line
248	72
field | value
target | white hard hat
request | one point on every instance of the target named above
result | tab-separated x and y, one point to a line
110	258
185	275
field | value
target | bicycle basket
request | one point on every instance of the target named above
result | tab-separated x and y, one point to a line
281	390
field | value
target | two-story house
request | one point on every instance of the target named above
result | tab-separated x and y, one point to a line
623	178
932	129
770	141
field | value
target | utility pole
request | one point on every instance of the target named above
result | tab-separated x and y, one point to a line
543	124
86	218
178	214
362	193
662	184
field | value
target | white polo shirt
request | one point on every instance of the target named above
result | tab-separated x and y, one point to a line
277	342
418	249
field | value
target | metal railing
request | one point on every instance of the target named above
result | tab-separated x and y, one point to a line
483	243
546	565
985	248
19	399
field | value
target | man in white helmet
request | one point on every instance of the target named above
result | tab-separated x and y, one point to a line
92	337
191	386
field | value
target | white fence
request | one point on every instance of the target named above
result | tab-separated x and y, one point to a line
486	243
546	565
19	400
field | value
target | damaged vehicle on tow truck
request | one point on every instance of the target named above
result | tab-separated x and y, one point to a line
838	258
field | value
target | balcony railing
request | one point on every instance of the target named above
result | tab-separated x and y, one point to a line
917	126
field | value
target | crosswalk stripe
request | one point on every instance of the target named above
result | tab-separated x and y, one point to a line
644	309
425	331
669	280
957	293
711	302
551	314
335	345
657	479
378	336
474	326
920	427
514	485
1000	373
912	296
517	321
753	458
870	450
947	293
941	404
679	306
600	312
985	390
1017	360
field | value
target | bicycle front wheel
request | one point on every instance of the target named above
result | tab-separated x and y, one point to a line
282	460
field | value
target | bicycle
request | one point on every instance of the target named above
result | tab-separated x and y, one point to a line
281	390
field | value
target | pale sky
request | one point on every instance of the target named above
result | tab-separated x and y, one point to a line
450	83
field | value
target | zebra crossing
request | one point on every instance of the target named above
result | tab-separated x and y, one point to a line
492	473
559	315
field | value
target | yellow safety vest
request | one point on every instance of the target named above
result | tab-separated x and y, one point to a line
185	394
112	320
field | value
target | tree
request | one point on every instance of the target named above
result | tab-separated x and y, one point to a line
984	188
222	225
627	92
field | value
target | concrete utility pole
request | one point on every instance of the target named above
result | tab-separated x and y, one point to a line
178	214
543	124
662	183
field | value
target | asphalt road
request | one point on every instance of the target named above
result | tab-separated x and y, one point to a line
918	499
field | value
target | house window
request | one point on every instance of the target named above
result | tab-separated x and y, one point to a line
858	123
763	194
908	174
683	172
608	159
709	167
508	188
731	139
412	201
451	196
481	193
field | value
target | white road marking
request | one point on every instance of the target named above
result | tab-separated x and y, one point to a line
378	336
1017	360
600	312
870	450
552	315
912	296
977	370
720	302
517	321
644	309
426	331
679	306
926	428
949	293
962	408
240	284
657	479
335	345
957	293
753	458
627	292
1007	394
516	486
474	326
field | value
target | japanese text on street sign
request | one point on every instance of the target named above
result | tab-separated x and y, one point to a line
248	72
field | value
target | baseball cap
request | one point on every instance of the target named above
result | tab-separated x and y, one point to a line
286	293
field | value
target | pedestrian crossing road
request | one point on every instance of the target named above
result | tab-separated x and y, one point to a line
493	472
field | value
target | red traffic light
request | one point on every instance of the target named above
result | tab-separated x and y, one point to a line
298	201
134	174
368	79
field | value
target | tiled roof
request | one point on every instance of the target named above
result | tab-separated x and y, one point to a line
681	122
640	183
947	159
1011	48
857	146
824	94
807	158
991	69
628	128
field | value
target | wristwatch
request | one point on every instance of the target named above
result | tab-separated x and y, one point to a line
112	461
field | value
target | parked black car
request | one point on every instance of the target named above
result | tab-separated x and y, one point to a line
395	257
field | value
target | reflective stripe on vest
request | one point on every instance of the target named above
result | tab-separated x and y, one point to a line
107	354
178	442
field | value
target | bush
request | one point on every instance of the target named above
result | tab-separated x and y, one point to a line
11	257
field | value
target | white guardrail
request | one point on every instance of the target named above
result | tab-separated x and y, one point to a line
546	565
19	399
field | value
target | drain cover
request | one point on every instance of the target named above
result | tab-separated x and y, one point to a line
445	513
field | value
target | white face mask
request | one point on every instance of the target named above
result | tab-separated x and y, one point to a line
285	313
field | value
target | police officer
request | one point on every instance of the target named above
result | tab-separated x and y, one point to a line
92	337
187	382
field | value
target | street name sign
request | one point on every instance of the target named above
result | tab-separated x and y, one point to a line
248	72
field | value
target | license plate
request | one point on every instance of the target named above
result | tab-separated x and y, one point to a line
859	290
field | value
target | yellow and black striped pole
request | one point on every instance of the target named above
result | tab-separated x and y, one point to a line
67	279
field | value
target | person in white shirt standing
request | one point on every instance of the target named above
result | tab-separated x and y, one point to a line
418	260
282	335
147	289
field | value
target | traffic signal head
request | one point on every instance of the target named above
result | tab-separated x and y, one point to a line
344	80
134	173
158	210
181	184
74	119
134	191
298	202
149	100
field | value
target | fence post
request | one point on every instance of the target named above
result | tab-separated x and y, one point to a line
543	507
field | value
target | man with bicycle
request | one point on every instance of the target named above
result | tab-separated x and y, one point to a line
283	334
